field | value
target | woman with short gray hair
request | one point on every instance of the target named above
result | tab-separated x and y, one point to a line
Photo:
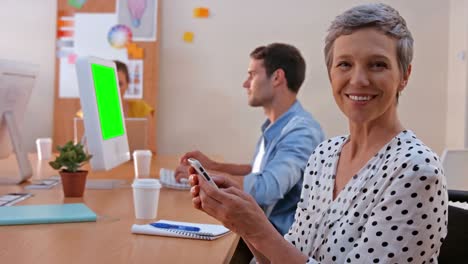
378	16
377	195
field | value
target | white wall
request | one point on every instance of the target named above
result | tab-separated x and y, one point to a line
27	30
201	100
457	80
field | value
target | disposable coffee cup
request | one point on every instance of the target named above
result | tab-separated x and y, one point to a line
142	163
44	148
146	198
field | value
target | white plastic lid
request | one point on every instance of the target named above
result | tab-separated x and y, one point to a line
43	140
143	152
146	184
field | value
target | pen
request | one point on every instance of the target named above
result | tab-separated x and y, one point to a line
177	227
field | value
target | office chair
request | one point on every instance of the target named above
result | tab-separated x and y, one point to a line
455	246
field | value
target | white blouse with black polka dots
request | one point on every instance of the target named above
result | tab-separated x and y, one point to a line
394	210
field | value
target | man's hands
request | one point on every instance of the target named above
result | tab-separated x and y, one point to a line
182	170
207	163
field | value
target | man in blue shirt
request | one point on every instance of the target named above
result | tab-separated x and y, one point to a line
289	135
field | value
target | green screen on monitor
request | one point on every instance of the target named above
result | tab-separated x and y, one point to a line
108	103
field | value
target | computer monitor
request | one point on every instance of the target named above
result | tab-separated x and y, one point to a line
102	112
136	128
16	83
455	164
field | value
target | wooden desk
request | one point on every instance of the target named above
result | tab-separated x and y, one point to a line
109	240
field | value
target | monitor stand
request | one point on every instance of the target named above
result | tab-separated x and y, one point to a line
24	165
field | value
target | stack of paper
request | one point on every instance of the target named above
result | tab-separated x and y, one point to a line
12	198
43	184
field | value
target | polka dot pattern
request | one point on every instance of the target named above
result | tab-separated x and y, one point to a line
394	210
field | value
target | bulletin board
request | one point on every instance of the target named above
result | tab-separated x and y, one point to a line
125	30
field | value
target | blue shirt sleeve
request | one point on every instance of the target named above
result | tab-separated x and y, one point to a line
284	167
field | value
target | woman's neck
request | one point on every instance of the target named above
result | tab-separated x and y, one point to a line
365	139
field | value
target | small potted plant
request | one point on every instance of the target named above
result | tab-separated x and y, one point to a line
69	161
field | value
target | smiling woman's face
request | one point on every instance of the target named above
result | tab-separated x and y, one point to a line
365	76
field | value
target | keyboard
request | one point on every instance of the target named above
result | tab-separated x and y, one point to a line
167	179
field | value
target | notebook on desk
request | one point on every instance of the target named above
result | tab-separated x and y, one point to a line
46	214
137	132
182	229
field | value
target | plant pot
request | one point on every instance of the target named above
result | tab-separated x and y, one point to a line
73	183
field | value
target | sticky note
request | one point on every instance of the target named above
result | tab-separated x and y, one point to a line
64	43
72	58
64	33
62	53
65	23
188	37
131	46
134	51
138	53
201	12
77	3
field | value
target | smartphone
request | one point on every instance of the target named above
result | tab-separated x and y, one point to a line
201	171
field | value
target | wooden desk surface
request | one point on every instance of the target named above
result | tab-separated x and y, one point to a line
108	240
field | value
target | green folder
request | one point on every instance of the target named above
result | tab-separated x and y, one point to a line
45	214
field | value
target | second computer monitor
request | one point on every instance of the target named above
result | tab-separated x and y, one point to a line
102	112
17	80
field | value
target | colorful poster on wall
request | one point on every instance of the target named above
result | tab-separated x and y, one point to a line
65	39
90	38
135	87
140	16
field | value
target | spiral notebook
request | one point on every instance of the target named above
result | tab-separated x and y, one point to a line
182	229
